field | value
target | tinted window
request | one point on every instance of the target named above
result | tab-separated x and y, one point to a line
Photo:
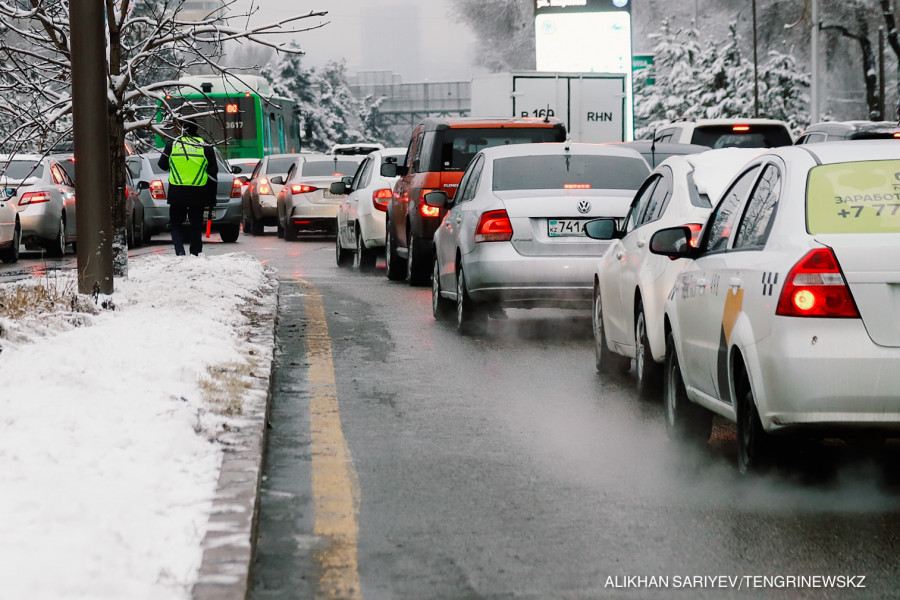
454	148
640	203
557	172
279	166
660	198
330	167
473	179
22	169
720	228
418	167
697	199
811	138
757	136
134	165
754	228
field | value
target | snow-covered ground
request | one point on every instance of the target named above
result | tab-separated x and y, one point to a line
108	424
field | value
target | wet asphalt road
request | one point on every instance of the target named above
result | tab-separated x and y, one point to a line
503	466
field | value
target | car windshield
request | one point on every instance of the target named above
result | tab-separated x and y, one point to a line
458	146
576	171
854	197
280	166
738	136
22	169
327	168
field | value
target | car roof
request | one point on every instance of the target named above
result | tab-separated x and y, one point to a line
750	121
554	148
887	126
432	123
844	151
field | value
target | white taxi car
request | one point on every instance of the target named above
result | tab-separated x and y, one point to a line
631	284
786	321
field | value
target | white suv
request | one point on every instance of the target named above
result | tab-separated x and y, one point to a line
726	133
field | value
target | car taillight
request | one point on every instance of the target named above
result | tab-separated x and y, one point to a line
264	188
815	287
695	228
741	128
494	226
34	198
380	199
424	209
157	190
576	186
236	186
298	188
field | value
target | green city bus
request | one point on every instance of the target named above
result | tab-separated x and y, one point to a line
242	115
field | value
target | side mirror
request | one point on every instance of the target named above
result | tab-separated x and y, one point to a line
143	185
674	242
348	181
436	199
601	229
235	169
277	180
338	188
389	170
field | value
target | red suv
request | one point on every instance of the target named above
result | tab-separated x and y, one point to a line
439	152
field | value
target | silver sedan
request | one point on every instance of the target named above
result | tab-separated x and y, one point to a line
514	233
44	198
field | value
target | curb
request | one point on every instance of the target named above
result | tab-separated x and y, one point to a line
230	539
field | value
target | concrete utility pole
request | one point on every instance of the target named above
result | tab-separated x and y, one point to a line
814	63
90	108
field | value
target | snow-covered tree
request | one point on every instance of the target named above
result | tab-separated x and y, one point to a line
148	44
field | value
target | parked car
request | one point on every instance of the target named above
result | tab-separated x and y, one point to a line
360	217
726	133
10	229
514	233
439	151
630	283
305	202
784	322
44	198
656	152
258	198
832	131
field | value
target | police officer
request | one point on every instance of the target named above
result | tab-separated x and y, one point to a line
192	171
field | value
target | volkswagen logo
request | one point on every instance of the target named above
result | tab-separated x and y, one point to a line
584	207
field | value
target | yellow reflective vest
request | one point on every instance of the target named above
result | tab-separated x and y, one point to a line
187	164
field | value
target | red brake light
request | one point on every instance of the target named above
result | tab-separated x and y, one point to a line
380	199
494	226
299	188
741	128
897	134
695	233
815	287
236	186
264	188
157	190
34	198
424	209
576	186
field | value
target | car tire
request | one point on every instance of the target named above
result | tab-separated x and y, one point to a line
470	320
129	233
441	308
146	234
605	360
229	233
754	444
685	421
280	232
57	247
417	272
256	225
247	220
395	268
11	254
342	256
647	371
290	232
365	257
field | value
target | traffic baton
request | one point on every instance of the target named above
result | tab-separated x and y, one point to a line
209	221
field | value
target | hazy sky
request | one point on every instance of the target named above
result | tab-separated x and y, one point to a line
419	39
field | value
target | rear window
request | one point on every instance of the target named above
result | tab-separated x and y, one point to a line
454	148
854	197
22	169
279	165
338	168
560	172
756	136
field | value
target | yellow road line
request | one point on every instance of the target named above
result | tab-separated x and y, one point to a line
334	486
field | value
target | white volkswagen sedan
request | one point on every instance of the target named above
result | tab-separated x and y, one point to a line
514	232
360	217
631	284
786	320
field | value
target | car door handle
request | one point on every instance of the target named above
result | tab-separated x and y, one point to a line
735	282
641	243
619	254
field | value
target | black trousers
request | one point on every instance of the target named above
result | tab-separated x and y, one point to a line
178	213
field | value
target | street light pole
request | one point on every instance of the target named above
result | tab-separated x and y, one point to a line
814	64
93	219
755	67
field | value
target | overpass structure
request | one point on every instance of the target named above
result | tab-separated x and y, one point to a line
406	104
